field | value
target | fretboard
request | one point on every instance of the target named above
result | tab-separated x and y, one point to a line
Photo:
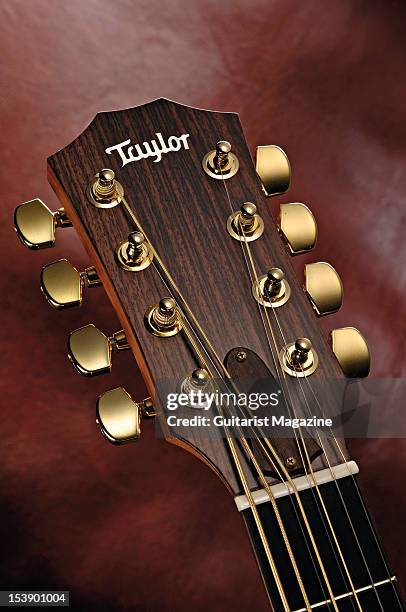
374	583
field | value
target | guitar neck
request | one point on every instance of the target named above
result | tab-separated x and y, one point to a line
363	562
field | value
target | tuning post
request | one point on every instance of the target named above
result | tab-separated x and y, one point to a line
197	386
104	191
35	224
135	253
90	351
272	289
163	319
245	225
119	416
221	163
299	359
62	284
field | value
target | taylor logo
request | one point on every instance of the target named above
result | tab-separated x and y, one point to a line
156	148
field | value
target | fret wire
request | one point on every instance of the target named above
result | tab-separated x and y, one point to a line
391	579
361	501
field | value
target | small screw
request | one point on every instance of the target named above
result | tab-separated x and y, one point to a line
241	356
290	462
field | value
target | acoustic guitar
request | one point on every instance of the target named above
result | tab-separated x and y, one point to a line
175	218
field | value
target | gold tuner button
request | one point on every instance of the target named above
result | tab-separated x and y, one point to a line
246	225
62	284
163	319
35	224
298	227
352	352
272	289
135	253
299	358
90	351
221	163
324	287
119	417
273	168
104	191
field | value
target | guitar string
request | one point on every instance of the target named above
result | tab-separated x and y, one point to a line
222	367
230	442
265	485
321	443
299	446
245	243
334	479
329	463
336	442
292	484
362	503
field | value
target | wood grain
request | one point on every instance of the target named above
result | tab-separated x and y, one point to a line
184	214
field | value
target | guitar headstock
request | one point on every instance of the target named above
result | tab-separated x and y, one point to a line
180	233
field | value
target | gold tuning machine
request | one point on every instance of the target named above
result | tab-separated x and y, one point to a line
352	352
221	163
135	253
298	227
246	224
271	289
163	319
35	224
90	351
104	191
273	168
324	287
299	359
62	284
119	416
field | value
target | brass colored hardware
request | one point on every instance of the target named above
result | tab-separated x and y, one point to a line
271	290
245	225
241	356
134	254
104	191
299	359
119	417
198	385
199	378
352	352
290	462
90	350
298	227
324	287
35	224
163	319
147	409
62	284
273	168
220	163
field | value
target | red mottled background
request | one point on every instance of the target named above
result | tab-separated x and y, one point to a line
150	527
